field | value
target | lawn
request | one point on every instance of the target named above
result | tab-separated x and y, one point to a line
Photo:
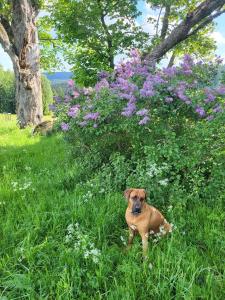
60	239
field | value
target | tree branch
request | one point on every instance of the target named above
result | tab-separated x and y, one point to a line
165	24
181	32
206	22
157	23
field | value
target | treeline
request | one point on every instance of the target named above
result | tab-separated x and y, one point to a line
8	92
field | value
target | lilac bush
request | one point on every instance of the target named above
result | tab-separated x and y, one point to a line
138	93
140	116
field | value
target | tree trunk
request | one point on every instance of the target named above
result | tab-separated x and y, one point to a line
172	59
27	69
19	38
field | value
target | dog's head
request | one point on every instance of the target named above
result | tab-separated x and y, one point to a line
136	199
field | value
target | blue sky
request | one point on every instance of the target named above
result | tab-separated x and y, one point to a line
218	34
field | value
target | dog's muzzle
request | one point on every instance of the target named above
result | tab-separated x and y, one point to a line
136	211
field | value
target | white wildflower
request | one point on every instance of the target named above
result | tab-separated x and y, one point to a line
164	182
123	239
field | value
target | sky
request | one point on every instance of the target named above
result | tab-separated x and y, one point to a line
218	34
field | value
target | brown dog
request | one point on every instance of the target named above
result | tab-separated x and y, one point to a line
143	218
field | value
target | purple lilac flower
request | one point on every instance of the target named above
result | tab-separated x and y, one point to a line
143	112
57	99
124	70
101	84
147	90
67	99
91	116
83	123
141	70
209	94
129	97
52	107
221	90
95	125
210	118
187	64
157	79
170	71
200	111
73	111
129	109
65	126
180	92
188	59
134	53
144	121
217	108
168	99
103	74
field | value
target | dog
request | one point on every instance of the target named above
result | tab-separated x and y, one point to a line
143	218
43	128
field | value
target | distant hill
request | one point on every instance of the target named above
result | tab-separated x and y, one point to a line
59	77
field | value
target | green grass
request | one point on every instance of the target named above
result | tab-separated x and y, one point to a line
40	196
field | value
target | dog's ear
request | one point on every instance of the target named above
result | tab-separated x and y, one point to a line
144	191
127	193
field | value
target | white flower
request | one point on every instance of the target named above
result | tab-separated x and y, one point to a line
150	266
123	240
170	207
164	182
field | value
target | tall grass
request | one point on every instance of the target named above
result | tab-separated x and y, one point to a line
42	258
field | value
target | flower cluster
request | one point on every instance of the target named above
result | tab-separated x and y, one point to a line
81	243
21	186
135	89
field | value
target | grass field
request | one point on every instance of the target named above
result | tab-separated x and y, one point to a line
60	239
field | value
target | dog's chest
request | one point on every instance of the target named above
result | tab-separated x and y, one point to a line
134	222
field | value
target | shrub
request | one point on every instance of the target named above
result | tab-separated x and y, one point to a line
157	128
47	95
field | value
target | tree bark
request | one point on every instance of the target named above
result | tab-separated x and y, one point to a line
172	59
22	47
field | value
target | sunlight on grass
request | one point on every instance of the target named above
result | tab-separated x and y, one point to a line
63	239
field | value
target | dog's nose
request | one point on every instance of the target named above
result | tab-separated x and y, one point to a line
136	210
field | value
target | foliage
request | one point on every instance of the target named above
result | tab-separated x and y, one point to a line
98	29
47	94
46	212
136	125
7	91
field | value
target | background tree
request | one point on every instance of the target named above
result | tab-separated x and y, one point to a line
19	38
99	29
8	92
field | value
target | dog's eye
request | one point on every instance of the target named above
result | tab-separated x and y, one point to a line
141	199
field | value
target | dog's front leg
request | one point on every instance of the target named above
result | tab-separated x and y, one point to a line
144	237
131	237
